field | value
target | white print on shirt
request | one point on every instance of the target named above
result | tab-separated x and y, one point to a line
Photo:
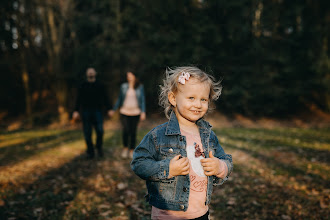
195	162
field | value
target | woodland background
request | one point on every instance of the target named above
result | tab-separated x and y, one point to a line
272	117
272	56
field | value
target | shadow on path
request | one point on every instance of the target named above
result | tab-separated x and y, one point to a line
15	153
47	197
269	143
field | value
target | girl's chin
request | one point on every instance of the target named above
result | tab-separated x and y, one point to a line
193	120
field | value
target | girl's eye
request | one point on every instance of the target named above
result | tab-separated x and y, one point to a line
204	100
191	98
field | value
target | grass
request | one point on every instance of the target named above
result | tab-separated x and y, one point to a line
278	174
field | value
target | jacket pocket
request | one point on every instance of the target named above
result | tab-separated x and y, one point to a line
168	152
167	191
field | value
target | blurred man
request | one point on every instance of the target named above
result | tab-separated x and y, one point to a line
92	98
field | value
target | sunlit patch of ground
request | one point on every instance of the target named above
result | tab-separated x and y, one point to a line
279	173
14	138
273	176
27	171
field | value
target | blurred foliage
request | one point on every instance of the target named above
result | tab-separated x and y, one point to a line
273	56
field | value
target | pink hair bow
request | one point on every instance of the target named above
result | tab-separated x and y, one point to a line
183	77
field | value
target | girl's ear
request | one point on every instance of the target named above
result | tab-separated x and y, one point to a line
171	98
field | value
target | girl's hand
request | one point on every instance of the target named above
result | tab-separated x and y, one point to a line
212	166
179	166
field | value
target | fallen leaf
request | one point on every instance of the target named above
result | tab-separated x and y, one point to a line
120	205
137	208
104	206
107	213
231	201
286	217
323	205
38	209
121	186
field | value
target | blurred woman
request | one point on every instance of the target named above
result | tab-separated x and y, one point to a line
131	104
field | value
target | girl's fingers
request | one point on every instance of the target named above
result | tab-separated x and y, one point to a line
206	160
185	172
208	173
206	164
208	169
185	161
176	157
186	168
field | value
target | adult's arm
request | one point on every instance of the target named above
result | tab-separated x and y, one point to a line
143	100
78	100
106	99
119	99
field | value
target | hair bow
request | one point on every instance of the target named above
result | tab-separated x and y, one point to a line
183	77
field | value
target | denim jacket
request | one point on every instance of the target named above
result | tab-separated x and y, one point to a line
139	95
152	157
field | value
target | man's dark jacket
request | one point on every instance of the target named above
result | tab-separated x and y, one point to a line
92	96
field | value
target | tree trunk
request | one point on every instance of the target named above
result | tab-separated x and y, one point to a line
21	30
256	23
54	31
61	90
26	86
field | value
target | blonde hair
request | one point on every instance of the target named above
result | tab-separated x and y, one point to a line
170	84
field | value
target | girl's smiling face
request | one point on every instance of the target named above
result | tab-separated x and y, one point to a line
191	101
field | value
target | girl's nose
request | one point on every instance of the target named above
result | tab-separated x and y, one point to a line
198	104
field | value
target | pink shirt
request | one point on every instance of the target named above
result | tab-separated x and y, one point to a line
198	186
130	106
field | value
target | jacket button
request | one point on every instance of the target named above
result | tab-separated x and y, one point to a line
182	207
184	189
170	150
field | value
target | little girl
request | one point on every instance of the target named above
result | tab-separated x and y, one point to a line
181	160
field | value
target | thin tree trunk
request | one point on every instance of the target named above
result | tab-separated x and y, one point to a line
62	99
25	80
256	23
22	51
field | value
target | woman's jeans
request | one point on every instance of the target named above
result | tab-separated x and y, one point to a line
93	118
129	124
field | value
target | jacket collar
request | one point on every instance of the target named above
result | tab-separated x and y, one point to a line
173	127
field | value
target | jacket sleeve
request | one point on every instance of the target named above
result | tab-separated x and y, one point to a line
119	99
227	158
78	100
144	163
143	100
106	100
